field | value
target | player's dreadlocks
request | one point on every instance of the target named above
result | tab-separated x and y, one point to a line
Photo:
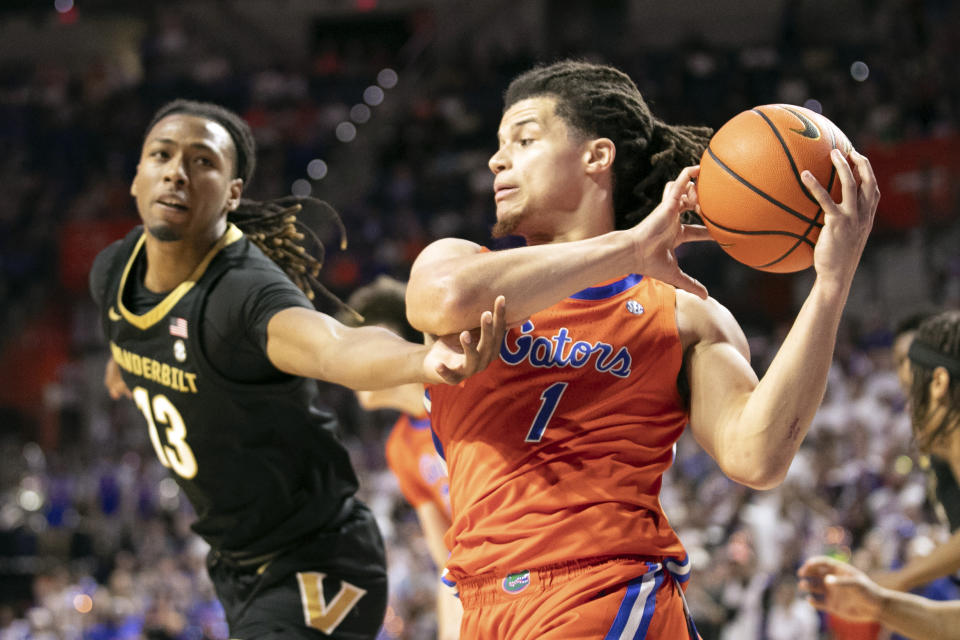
936	343
272	225
598	100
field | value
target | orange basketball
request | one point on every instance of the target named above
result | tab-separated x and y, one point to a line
751	197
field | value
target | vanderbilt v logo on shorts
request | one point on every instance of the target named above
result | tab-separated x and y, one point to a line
317	612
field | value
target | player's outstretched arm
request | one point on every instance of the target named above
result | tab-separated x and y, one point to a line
753	428
307	343
846	592
944	560
452	280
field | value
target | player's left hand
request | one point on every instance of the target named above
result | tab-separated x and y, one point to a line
113	381
846	224
455	357
840	589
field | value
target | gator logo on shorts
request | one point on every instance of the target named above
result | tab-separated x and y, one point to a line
516	582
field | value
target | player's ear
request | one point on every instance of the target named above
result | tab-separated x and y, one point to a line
234	191
599	154
940	385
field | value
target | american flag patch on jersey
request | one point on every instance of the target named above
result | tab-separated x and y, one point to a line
178	327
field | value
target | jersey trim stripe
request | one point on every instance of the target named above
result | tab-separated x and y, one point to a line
419	423
636	610
437	444
608	290
151	317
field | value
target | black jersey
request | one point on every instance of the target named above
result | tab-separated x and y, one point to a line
946	490
262	467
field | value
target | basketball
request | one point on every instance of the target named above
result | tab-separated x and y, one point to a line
751	197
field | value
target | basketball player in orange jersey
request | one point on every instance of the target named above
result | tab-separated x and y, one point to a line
411	454
556	451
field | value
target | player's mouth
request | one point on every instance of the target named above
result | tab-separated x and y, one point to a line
499	193
173	203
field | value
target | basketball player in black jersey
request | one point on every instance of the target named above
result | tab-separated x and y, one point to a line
217	346
942	470
932	379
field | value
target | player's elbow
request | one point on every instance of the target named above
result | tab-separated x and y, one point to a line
439	308
758	474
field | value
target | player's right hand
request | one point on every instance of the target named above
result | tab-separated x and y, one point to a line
113	381
656	238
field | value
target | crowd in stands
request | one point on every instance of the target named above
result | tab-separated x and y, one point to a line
94	537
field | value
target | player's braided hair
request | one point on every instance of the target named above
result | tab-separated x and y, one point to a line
272	225
599	100
942	333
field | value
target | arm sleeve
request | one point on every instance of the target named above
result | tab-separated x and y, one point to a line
99	272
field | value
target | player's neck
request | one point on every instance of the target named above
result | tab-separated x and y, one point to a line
170	263
578	226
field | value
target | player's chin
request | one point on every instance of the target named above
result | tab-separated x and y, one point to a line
165	232
506	225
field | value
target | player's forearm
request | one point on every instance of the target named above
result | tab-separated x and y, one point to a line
942	561
919	618
368	358
305	343
777	413
448	297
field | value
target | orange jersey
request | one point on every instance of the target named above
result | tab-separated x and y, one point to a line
556	451
413	459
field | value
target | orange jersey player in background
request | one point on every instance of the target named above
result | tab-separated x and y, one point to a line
410	450
556	451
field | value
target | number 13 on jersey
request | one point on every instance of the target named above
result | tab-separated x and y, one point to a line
549	400
177	454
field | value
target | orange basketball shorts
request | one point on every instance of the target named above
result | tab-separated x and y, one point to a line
609	599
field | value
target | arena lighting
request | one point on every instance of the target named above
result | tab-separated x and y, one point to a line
360	113
301	188
859	71
346	131
317	169
63	6
814	105
373	95
387	78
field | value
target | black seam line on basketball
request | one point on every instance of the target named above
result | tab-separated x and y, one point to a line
758	233
759	192
786	150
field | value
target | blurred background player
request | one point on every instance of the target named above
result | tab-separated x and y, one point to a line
410	450
557	526
941	467
216	345
933	380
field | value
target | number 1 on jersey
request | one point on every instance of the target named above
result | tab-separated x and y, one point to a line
549	400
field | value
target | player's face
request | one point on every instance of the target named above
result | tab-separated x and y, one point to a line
539	169
184	184
901	345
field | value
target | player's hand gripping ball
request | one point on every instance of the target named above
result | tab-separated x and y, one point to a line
752	200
